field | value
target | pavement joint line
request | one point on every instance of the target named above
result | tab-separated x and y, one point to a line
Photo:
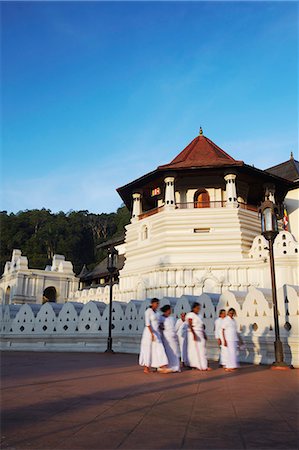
96	417
237	418
282	417
138	409
191	414
141	420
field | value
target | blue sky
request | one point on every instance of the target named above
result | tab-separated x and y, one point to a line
95	94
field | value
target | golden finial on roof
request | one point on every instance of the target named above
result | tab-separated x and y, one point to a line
292	156
200	131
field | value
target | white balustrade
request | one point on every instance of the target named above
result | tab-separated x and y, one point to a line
23	322
79	322
45	322
67	320
90	319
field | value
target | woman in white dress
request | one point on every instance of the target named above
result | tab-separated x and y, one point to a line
181	327
197	357
230	340
170	339
152	353
219	337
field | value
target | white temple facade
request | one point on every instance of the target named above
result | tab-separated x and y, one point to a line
203	234
20	284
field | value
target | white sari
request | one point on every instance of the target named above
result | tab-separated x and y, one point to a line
181	330
171	344
152	353
218	335
196	348
229	326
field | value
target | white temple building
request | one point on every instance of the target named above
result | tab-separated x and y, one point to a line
195	226
20	284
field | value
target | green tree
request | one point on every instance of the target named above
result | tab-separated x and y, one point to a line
40	234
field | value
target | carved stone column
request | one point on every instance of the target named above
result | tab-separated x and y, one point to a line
231	191
137	206
169	193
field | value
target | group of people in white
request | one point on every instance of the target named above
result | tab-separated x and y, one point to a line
167	344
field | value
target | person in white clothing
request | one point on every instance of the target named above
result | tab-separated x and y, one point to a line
170	339
230	340
219	337
152	353
197	357
181	327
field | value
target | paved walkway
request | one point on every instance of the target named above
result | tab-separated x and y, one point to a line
97	401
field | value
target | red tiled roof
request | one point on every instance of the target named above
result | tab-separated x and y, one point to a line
201	152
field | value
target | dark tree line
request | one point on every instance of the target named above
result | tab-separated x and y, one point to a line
40	234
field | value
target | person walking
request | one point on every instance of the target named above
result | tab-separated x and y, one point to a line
219	337
197	357
152	353
231	339
181	327
170	339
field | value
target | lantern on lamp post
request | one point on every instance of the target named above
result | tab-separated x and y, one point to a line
268	213
112	268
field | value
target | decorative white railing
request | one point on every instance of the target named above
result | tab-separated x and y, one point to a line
197	205
76	326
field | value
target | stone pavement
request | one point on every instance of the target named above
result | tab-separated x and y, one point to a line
96	401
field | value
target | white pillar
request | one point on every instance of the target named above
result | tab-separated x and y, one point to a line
169	192
231	191
137	207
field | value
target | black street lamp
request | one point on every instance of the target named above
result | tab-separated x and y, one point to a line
269	212
112	268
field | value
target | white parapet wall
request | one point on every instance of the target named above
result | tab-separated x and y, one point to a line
75	326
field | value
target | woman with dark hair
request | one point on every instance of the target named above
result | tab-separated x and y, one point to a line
170	339
197	357
152	353
230	340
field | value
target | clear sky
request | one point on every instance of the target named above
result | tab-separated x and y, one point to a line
96	94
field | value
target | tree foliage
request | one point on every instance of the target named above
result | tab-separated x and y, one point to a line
40	234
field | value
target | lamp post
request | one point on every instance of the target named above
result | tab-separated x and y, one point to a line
268	213
111	267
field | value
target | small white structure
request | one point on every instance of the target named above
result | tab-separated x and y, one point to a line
20	284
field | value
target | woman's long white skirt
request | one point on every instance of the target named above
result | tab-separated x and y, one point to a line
152	353
223	357
197	356
172	350
231	357
183	348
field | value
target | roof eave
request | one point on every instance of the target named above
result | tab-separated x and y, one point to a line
269	174
207	166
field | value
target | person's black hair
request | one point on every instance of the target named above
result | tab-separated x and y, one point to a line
194	305
232	310
155	300
221	311
165	308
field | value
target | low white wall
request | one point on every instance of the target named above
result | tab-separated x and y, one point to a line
84	327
